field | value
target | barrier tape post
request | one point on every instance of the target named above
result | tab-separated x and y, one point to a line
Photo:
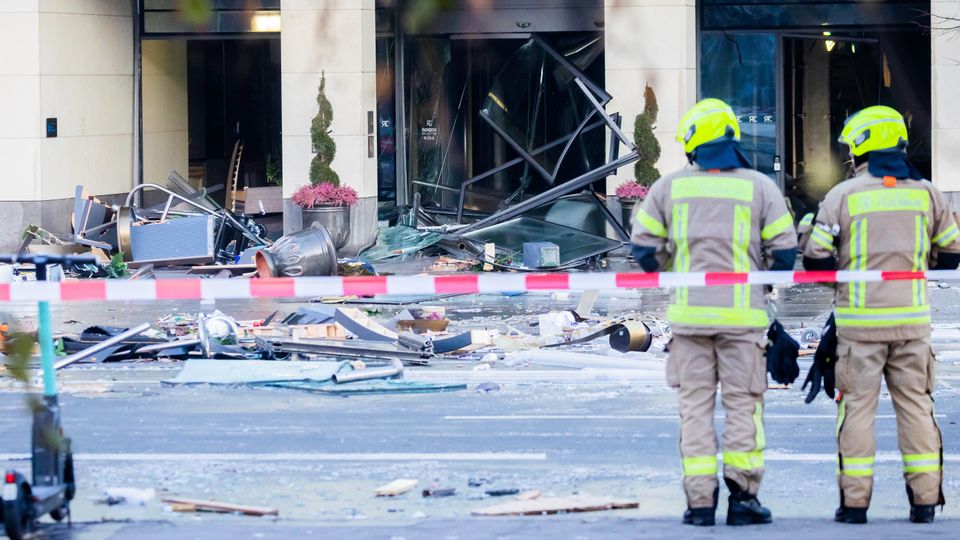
310	287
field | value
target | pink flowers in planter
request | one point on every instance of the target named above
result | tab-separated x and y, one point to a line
324	194
632	190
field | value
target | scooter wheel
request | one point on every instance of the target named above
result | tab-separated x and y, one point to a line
16	519
59	513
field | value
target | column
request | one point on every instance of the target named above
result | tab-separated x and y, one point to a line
651	42
336	38
945	73
165	113
21	130
86	83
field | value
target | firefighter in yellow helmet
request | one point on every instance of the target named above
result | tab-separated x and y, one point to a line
887	217
717	215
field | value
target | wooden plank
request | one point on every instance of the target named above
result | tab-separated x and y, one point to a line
397	487
318	331
556	505
216	506
424	325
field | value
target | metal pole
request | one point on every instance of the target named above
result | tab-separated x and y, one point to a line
137	18
90	351
45	334
400	128
45	337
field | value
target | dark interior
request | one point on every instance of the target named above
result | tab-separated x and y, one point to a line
234	94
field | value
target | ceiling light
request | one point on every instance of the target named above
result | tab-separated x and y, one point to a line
266	22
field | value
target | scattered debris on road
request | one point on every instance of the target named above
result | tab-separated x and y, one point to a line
195	505
556	505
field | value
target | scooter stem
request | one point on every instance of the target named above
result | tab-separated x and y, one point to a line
45	337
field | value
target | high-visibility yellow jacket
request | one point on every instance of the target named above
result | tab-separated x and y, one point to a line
870	224
715	221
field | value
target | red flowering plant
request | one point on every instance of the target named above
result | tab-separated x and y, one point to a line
632	190
324	194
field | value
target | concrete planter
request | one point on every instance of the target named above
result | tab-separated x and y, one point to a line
335	219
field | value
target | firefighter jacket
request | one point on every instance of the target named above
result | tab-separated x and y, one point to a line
873	223
715	221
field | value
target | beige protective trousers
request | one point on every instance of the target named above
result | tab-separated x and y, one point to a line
909	371
695	365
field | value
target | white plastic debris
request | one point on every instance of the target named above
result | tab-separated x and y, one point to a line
128	495
552	324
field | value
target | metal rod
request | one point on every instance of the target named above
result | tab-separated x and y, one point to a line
347	351
166	208
394	371
189	342
552	194
611	123
90	351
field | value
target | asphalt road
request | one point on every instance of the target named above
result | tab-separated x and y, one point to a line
318	459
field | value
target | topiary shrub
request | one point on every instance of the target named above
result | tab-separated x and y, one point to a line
323	143
645	170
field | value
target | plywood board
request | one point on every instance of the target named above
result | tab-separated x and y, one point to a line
397	487
556	505
194	505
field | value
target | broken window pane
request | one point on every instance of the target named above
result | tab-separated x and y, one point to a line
509	237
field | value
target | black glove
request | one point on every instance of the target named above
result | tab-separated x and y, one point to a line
782	352
824	360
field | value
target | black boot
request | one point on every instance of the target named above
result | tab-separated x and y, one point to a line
922	513
744	508
703	517
845	514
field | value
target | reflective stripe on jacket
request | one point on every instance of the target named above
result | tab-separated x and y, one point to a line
871	226
702	221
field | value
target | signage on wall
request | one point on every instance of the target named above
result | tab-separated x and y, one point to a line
756	118
428	132
51	127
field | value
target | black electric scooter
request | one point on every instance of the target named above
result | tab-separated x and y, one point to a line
53	484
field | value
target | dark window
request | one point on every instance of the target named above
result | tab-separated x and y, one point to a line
741	70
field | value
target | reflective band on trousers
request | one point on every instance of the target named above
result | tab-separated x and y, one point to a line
700	466
857	466
717	316
888	200
882	317
947	237
758	425
650	223
712	187
921	463
745	461
777	226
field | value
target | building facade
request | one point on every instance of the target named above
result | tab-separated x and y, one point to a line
110	93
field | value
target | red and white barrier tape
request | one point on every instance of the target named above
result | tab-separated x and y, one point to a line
310	287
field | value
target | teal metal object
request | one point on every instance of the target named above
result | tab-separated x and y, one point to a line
45	337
